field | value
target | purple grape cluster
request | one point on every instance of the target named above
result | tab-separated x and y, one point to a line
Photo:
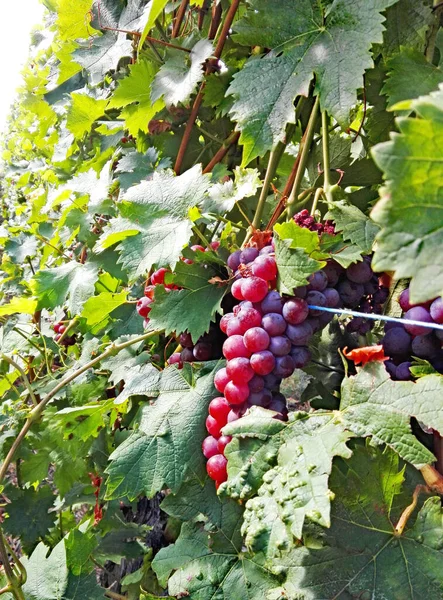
208	347
306	220
402	342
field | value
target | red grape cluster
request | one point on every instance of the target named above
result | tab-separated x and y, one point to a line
304	219
59	329
401	342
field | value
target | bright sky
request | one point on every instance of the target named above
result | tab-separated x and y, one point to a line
17	17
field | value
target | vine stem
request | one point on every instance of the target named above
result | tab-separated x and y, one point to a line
199	98
399	528
13	581
326	157
115	596
38	410
304	153
318	193
179	18
69	326
23	376
221	153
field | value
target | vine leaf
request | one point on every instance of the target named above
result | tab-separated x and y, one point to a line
153	11
222	197
306	41
354	225
361	549
97	308
296	488
410	211
134	94
73	21
50	579
102	55
134	166
178	78
152	457
83	113
407	22
84	422
191	308
71	283
210	564
410	75
372	404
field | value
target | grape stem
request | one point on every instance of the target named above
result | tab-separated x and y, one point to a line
326	157
318	193
37	411
399	528
304	153
221	153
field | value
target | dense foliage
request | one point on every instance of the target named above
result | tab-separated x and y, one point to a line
182	182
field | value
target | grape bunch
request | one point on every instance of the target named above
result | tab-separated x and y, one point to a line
208	347
59	330
402	342
307	221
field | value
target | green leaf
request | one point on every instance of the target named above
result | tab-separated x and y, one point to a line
372	404
26	306
134	92
153	12
72	283
83	422
103	54
49	578
308	40
97	308
300	236
134	166
410	75
294	265
222	197
152	457
407	22
73	21
83	113
28	516
361	555
212	565
178	78
411	207
189	309
354	225
79	547
20	247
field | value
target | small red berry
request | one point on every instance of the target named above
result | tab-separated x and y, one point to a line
144	306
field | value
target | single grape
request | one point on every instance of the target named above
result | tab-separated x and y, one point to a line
397	341
175	359
360	272
274	324
425	346
315	298
403	300
62	328
217	468
284	366
198	248
223	441
236	289
402	372
391	368
158	277
272	382
418	313
436	310
233	261
332	297
324	319
185	340
240	370
248	318
256	339
234	415
381	295
248	255
350	292
267	250
202	351
225	320
262	398
272	303
256	384
244	304
57	327
263	362
314	323
213	426
299	334
219	409
301	356
236	393
210	446
280	345
149	291
295	310
234	327
215	245
143	307
318	281
254	289
187	355
265	267
221	379
234	347
278	403
332	271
